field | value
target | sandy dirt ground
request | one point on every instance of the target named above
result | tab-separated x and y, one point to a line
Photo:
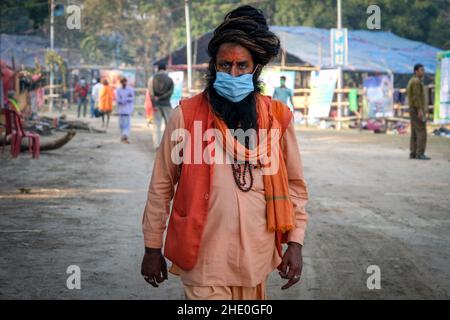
369	205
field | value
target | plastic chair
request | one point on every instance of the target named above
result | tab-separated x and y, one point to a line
7	125
14	127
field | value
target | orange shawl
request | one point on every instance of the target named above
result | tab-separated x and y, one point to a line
279	209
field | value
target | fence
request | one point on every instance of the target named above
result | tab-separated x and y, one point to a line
400	107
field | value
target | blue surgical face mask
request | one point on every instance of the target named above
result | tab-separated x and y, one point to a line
232	88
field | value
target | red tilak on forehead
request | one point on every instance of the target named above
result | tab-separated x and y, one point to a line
234	57
234	54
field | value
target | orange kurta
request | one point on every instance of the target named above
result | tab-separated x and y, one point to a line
236	249
106	98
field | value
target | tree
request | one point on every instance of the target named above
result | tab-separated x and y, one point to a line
134	32
23	15
138	32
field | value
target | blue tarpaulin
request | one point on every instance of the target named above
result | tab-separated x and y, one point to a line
376	51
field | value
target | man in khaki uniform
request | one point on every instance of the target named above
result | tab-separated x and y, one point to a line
417	112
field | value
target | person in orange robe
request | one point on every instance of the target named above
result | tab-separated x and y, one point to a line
105	103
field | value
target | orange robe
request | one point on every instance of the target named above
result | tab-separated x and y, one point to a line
106	98
237	249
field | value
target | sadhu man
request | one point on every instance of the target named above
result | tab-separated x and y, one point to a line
228	220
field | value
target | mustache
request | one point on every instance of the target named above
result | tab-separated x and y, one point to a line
240	114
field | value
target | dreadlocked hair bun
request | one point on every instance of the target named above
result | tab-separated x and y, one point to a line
248	27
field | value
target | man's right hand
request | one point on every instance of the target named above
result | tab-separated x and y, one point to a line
154	267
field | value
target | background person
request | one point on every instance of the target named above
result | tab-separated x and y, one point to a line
105	102
82	90
125	107
160	88
283	93
418	114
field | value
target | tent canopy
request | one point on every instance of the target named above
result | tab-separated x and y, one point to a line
179	55
368	51
376	51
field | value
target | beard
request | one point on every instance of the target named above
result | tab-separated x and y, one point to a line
236	115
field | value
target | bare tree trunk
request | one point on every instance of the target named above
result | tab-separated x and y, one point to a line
45	145
54	144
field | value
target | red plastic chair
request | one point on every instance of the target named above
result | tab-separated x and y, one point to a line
14	127
7	125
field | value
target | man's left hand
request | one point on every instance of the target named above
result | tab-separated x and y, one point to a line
292	264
